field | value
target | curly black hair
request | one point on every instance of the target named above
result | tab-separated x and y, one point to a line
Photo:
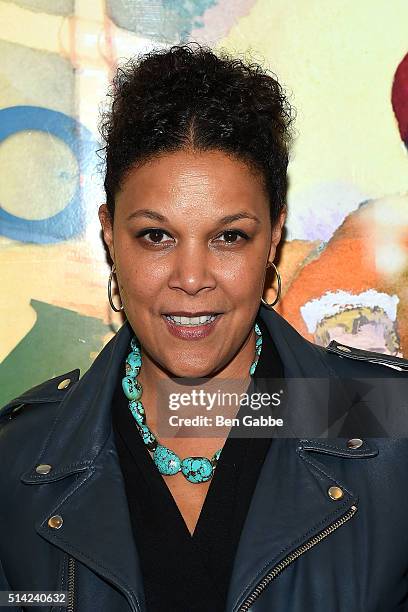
188	97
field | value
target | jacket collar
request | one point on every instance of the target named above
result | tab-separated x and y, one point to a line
82	423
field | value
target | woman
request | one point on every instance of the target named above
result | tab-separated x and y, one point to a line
95	501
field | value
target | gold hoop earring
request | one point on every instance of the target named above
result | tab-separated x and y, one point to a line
276	300
113	270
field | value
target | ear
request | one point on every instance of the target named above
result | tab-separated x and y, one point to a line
107	228
277	233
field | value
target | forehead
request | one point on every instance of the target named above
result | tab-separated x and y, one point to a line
210	176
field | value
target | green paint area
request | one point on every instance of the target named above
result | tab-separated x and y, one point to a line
61	340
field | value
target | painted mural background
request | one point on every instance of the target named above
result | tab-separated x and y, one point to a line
344	262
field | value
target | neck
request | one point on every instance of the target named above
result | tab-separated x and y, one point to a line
236	370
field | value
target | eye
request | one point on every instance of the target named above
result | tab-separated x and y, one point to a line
233	234
155	232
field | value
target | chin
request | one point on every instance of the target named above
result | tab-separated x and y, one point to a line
186	369
189	372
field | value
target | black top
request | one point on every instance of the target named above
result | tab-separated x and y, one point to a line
184	572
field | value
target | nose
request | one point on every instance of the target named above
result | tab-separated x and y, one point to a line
192	270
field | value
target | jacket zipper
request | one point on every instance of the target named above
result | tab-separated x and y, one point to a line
71	584
293	556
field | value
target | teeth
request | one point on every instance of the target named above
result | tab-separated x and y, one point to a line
191	320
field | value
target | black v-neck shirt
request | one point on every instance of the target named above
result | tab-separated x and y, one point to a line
183	572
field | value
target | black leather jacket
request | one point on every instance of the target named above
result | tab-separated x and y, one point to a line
326	529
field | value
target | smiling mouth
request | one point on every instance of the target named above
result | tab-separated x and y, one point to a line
192	321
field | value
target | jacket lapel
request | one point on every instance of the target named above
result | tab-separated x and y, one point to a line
291	504
96	527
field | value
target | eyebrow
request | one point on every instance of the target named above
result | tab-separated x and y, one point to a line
152	214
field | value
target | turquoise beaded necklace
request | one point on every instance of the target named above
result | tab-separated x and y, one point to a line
195	469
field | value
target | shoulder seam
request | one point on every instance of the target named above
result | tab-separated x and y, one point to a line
352	352
46	392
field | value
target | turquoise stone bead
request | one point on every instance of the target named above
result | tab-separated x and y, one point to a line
252	369
131	388
133	364
134	359
166	460
133	372
257	329
136	408
197	469
258	341
148	437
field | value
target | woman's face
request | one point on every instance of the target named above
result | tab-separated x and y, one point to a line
175	251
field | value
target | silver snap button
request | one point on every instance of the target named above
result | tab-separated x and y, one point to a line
43	468
344	348
354	443
64	383
55	521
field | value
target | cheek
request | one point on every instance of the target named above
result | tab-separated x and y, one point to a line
141	283
246	279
